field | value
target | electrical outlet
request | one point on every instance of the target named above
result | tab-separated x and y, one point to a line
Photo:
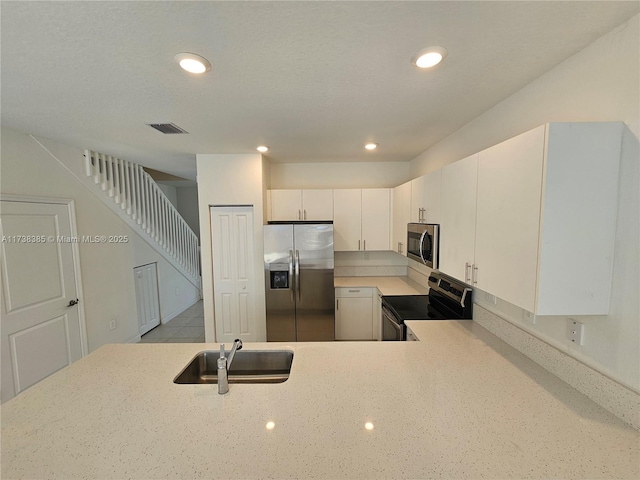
528	317
112	324
575	331
177	291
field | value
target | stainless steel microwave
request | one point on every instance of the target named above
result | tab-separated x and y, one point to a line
422	243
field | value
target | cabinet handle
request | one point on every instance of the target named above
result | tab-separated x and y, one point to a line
304	216
299	215
474	276
358	244
467	265
337	304
353	291
364	243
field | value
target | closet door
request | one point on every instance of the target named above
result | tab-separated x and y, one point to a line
147	299
233	273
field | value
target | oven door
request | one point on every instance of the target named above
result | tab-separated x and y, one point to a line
392	330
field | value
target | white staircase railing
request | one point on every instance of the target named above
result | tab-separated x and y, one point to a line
133	189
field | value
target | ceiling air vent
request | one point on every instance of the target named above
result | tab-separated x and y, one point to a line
167	128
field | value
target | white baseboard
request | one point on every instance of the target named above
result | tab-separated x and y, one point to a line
166	318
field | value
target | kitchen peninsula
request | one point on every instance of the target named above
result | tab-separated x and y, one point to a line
458	404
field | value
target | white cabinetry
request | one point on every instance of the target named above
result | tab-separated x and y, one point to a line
546	218
317	204
458	218
425	198
354	314
376	218
401	216
361	219
301	205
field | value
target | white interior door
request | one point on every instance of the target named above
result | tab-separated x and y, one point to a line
147	299
41	330
234	273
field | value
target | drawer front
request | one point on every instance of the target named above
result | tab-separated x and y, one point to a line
344	292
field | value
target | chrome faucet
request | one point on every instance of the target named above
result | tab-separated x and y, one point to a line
224	364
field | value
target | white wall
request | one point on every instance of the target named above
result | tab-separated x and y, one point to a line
339	175
107	270
170	193
600	83
230	179
187	206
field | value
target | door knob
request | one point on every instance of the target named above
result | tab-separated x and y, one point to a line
73	302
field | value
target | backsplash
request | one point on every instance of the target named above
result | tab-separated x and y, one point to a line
369	264
606	392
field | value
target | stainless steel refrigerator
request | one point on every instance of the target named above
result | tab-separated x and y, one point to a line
298	265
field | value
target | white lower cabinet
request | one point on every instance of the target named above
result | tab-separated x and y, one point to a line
354	314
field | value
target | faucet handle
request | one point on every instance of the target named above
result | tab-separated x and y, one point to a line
238	342
222	350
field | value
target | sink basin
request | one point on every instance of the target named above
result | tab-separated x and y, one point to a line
257	366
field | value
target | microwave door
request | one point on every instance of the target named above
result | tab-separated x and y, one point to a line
425	247
429	247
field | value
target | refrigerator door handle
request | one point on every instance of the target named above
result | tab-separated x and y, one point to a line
291	275
297	275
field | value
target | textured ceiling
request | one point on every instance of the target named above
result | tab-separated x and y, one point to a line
314	80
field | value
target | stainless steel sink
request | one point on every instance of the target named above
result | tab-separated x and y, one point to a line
257	366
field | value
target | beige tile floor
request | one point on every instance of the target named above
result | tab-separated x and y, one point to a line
188	327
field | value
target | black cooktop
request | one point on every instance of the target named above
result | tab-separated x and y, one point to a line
411	307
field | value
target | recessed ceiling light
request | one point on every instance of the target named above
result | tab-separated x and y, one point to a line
429	57
192	63
262	148
371	146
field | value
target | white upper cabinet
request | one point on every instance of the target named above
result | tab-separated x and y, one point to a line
347	219
317	204
546	218
361	219
290	205
417	199
400	217
425	198
376	218
508	218
432	197
286	205
458	218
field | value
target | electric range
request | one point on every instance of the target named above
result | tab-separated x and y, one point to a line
448	299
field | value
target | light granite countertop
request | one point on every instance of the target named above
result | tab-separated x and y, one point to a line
458	404
386	285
